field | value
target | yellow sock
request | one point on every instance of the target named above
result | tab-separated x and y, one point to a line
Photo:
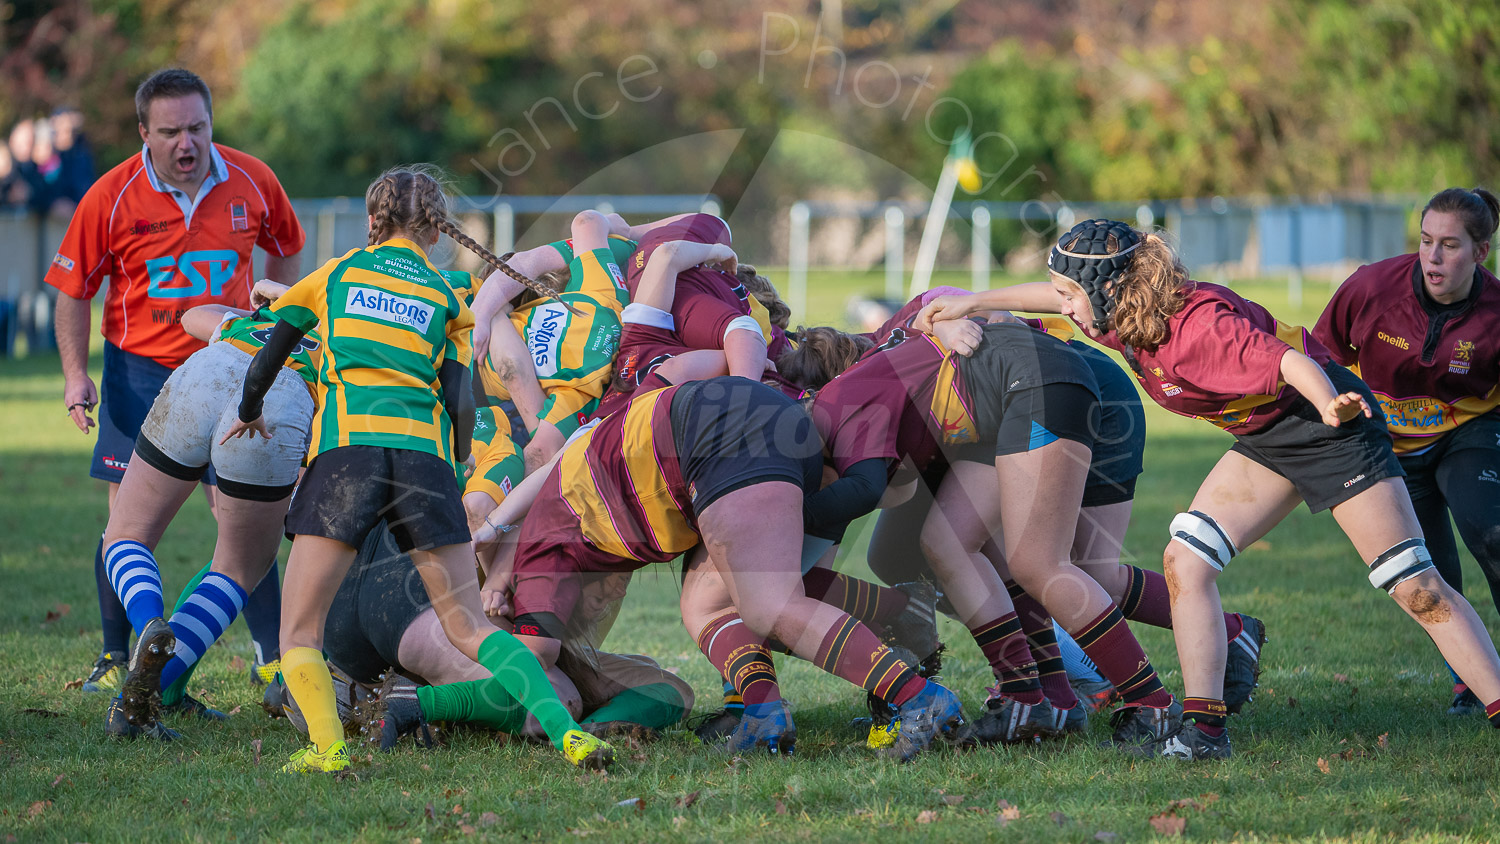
311	685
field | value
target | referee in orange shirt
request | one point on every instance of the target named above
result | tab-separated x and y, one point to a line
172	228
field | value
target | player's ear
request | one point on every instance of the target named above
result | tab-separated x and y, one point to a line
142	127
1481	251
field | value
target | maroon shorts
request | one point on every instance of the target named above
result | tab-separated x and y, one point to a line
551	554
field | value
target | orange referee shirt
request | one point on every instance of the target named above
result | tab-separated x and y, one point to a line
161	262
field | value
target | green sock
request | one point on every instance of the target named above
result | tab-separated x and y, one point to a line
656	706
480	702
173	693
517	672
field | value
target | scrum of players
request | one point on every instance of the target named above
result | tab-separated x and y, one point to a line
482	461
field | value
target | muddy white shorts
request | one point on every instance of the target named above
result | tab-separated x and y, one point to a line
196	408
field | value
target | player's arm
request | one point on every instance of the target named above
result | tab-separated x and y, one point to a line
659	279
499	289
203	321
511	360
827	512
284	269
1308	378
1035	297
620	227
458	403
71	323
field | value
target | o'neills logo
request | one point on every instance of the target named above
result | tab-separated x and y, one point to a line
384	306
1398	342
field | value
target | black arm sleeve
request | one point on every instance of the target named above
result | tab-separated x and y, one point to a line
828	511
458	401
264	366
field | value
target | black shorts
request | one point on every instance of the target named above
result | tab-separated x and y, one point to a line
1018	382
733	432
378	600
1120	440
1327	465
347	490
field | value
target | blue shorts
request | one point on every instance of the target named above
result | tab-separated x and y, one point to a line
127	390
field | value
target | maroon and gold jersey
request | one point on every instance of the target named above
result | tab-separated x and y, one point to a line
1222	360
900	321
893	404
1432	367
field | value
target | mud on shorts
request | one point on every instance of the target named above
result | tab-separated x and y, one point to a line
198	405
1327	465
348	490
127	388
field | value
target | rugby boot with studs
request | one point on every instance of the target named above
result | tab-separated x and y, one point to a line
141	690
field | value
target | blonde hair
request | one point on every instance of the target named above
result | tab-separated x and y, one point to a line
764	292
821	353
410	199
1148	293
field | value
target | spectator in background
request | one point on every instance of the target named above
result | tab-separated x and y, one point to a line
77	155
18	189
10	180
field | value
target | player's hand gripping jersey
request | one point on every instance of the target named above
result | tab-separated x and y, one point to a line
1432	367
573	354
388	320
161	264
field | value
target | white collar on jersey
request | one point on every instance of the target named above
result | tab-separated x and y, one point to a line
218	172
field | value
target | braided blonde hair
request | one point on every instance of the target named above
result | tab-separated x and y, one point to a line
411	199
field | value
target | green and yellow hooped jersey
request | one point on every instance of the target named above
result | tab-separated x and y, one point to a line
620	250
388	319
250	333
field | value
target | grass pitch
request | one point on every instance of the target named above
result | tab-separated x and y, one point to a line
1347	738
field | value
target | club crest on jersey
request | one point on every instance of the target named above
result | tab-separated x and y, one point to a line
1463	357
544	333
239	214
394	309
616	276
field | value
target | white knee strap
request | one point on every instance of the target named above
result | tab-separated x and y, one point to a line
743	323
1400	563
1199	533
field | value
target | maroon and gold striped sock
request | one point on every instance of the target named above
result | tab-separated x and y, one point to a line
1036	622
1110	644
741	657
1492	712
852	652
869	602
1148	601
1210	713
1004	645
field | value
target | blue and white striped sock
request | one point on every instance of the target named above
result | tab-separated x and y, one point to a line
133	573
200	622
1075	661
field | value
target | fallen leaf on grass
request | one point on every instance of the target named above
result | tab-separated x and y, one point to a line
1322	764
43	713
1292	702
780	807
1058	818
1106	837
466	829
953	799
1341	678
430	812
73	684
236	664
1008	813
927	816
58	781
489	819
1168	825
57	612
38	807
638	802
687	800
234	711
255	746
678	821
1385	740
